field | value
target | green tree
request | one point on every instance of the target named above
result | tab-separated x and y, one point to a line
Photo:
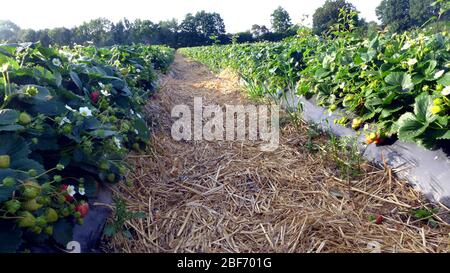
96	31
281	21
421	11
328	15
258	31
197	29
27	35
209	24
143	31
42	37
60	36
394	14
8	31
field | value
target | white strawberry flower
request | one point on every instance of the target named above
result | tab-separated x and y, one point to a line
70	108
85	112
64	121
364	66
105	93
136	132
71	190
81	191
139	116
138	70
56	62
438	74
412	62
406	46
117	142
446	91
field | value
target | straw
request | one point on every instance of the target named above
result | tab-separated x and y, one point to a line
230	197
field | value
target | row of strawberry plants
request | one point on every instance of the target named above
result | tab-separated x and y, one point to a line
397	83
68	117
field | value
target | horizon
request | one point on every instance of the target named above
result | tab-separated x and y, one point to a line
236	20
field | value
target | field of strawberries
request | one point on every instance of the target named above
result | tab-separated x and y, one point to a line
395	86
68	116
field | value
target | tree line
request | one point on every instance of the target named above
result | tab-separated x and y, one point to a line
204	28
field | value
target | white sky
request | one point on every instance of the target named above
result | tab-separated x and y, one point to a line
239	15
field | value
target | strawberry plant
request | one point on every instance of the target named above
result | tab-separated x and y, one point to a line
398	83
67	118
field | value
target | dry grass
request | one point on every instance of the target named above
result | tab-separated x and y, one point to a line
231	197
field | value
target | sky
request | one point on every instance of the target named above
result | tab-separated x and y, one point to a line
239	15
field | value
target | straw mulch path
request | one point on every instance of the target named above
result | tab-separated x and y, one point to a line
231	197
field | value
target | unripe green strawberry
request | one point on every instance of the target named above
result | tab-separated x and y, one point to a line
30	193
439	87
122	170
136	147
31	205
333	107
425	88
436	109
24	118
67	129
48	230
9	182
47	187
77	214
61	199
41	221
438	101
43	200
27	220
80	221
12	206
104	165
111	177
60	167
349	97
34	141
65	212
5	161
57	178
39	127
51	215
36	230
356	123
31	190
32	173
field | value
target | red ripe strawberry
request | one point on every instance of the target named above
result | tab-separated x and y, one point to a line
378	139
82	208
379	220
94	96
68	197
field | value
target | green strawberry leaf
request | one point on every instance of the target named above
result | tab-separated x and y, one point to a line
10	237
409	127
